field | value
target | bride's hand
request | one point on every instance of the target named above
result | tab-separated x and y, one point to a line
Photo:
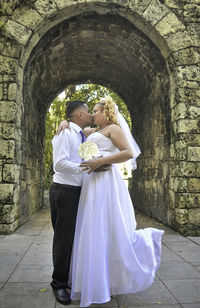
92	165
64	124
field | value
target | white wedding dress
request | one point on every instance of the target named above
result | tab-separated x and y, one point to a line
109	256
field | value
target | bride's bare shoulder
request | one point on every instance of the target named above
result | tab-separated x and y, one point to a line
114	127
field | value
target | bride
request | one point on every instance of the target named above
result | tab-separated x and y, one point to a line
109	255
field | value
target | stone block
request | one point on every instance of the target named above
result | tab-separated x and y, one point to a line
172	198
9	228
9	78
6	8
191	84
194	216
7	111
179	184
8	65
29	177
183	168
188	139
180	150
16	191
155	12
184	57
186	126
148	185
138	6
12	91
1	91
61	4
194	185
193	112
187	200
27	17
170	24
9	213
173	4
10	173
192	12
7	130
1	168
178	40
179	111
7	148
45	8
190	73
9	48
17	31
6	193
181	216
191	96
193	154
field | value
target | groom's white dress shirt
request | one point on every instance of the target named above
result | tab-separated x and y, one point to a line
66	159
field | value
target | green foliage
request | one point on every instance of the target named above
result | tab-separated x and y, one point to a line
54	115
91	94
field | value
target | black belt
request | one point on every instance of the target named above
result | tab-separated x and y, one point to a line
66	186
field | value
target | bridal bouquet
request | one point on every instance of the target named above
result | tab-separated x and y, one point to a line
88	150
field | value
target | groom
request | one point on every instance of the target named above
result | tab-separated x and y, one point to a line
65	193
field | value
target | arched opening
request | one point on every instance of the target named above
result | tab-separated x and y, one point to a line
107	50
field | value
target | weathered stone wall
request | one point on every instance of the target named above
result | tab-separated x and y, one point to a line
147	51
150	183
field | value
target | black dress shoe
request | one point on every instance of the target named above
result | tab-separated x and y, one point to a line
62	296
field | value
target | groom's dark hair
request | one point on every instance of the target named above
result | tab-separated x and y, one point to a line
73	105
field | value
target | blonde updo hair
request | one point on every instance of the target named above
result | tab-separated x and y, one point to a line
109	110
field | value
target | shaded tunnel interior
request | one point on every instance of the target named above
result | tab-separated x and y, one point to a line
110	51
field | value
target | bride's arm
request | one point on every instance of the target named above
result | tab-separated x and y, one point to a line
65	124
88	130
62	126
118	137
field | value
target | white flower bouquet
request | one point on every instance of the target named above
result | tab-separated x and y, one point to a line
88	150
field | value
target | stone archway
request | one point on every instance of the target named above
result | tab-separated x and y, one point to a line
143	52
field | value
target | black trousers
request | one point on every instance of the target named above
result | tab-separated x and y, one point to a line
64	204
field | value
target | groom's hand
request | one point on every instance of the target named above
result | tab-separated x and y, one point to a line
95	165
103	168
